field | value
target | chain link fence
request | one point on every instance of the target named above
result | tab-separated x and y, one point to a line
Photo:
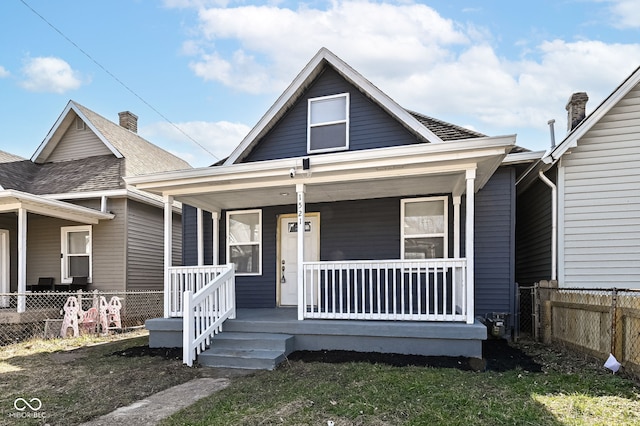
597	322
42	314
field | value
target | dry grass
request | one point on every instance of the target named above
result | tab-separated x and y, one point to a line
79	379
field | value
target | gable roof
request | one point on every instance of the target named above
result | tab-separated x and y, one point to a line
7	157
292	94
141	156
571	140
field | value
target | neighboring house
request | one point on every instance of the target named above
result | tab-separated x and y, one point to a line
579	207
67	211
407	221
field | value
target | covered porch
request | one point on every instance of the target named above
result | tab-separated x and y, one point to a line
15	209
397	288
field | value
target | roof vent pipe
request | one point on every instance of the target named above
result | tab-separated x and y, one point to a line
552	131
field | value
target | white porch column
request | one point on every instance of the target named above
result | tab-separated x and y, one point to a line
168	251
456	226
300	190
469	244
22	258
200	226
215	218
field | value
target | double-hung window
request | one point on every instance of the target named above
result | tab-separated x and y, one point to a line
424	228
328	119
244	241
76	252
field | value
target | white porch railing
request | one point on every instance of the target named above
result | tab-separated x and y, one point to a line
187	278
413	290
205	311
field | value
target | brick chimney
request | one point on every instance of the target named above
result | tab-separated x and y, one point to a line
129	121
576	109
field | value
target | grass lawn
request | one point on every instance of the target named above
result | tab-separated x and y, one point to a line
80	379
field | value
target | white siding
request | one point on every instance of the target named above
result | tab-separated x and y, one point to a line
76	144
600	205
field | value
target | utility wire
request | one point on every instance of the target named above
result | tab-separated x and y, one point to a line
118	80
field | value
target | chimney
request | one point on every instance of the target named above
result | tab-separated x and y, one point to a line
576	109
129	121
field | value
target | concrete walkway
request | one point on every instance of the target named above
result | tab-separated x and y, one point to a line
151	410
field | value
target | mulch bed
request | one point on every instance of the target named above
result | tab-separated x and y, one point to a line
498	355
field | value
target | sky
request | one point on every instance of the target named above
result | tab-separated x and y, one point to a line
200	74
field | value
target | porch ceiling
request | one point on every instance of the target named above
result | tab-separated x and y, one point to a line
11	201
398	171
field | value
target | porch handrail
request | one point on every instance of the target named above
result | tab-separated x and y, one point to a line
409	290
205	311
187	278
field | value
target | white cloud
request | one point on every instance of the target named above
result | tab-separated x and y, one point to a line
626	13
3	72
50	74
219	138
425	62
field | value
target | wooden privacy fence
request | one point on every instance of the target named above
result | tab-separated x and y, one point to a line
594	321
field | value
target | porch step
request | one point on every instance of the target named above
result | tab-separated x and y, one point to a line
255	351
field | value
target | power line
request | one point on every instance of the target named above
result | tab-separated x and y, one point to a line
110	74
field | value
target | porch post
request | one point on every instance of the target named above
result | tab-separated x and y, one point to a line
168	252
22	258
200	237
300	190
469	244
456	226
215	218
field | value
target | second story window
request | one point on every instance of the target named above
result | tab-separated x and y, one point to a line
328	119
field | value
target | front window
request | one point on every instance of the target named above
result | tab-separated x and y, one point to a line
244	241
76	252
328	123
424	228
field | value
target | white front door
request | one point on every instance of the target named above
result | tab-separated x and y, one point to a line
5	267
288	260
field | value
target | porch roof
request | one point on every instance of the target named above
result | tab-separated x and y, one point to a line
11	201
376	173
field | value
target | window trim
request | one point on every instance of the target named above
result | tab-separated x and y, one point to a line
64	251
258	243
346	120
444	235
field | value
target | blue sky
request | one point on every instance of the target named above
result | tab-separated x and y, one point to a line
213	68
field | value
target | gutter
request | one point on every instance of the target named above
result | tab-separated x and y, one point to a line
554	223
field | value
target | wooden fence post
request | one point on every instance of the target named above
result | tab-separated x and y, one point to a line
545	289
617	331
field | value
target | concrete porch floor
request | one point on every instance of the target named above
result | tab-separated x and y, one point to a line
403	337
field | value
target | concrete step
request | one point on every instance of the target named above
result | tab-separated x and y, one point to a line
268	341
252	359
256	351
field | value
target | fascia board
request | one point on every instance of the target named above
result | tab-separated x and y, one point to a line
605	106
328	163
51	207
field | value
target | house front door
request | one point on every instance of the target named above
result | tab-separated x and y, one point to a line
288	258
4	267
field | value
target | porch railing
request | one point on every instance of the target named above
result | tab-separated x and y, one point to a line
205	311
187	278
413	290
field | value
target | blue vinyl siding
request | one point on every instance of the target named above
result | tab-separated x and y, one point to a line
370	126
495	244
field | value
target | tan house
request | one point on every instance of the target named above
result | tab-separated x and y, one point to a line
67	216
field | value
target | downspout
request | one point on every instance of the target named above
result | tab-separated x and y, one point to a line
103	204
554	222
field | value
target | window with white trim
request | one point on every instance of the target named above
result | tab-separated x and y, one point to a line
244	241
76	259
424	228
328	119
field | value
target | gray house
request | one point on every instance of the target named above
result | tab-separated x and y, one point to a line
67	211
579	207
341	221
